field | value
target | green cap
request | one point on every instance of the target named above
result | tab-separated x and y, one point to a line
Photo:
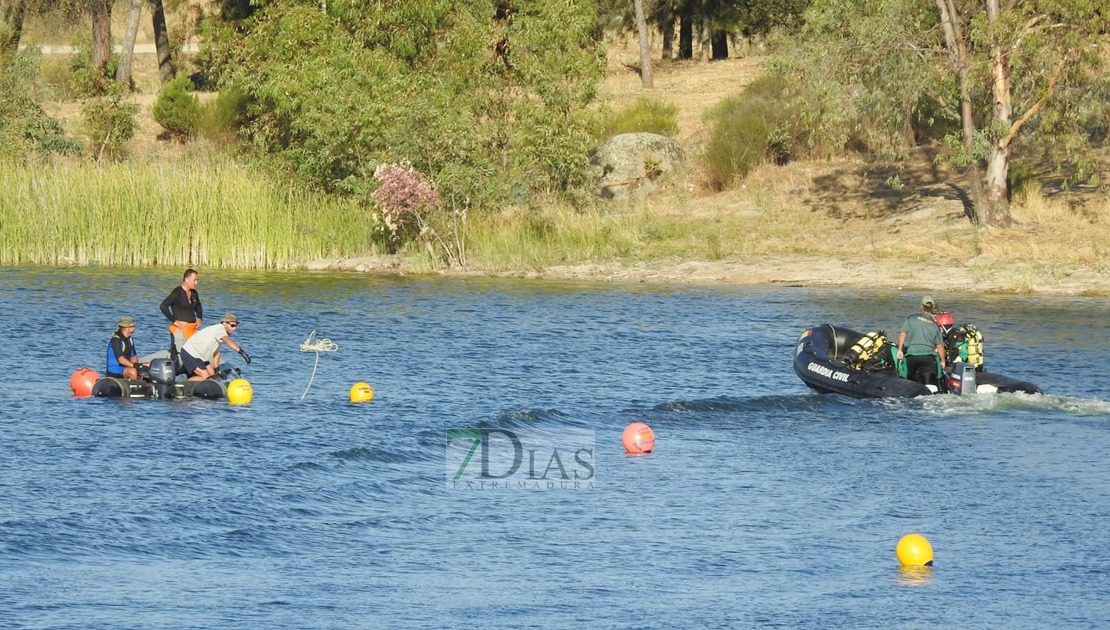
928	302
126	322
229	319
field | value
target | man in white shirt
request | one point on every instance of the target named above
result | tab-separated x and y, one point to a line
201	353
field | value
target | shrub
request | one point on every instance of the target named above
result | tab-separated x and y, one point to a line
219	120
646	114
109	120
25	129
747	130
176	109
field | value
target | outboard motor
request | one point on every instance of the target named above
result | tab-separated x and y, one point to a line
961	380
162	374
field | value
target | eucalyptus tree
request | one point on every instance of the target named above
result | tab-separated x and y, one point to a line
1007	75
12	14
488	97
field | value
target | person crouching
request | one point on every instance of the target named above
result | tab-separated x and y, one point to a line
123	361
201	353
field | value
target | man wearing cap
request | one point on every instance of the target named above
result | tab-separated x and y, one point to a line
201	353
921	345
123	361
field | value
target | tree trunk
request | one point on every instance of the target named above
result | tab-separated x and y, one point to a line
998	157
704	37
720	45
166	70
667	28
957	55
101	33
12	13
123	72
686	35
645	45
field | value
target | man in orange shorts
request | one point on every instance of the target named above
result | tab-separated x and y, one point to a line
182	307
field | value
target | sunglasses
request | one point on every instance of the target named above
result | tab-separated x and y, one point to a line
233	324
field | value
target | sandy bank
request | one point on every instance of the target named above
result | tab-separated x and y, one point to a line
977	275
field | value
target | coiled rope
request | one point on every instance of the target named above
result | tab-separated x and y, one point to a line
317	346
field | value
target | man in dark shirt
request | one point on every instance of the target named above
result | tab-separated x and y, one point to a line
182	307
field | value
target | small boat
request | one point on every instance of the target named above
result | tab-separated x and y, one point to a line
160	382
825	360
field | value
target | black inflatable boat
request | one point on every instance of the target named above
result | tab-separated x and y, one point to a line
160	382
824	360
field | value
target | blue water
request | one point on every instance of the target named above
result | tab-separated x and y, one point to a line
764	505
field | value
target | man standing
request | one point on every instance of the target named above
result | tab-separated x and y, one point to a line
922	344
182	307
201	353
123	361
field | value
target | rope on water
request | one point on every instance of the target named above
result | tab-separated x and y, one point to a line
316	345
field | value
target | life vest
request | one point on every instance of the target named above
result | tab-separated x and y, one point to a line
113	364
965	344
867	346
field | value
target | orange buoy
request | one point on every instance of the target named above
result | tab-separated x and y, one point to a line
638	439
82	382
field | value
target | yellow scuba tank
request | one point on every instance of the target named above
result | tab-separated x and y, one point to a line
864	348
974	350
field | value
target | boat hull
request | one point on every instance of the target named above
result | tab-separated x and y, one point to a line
115	387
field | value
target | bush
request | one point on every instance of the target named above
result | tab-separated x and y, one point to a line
176	109
219	120
747	130
25	129
646	114
109	120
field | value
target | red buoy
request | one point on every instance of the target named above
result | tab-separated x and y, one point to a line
82	382
638	439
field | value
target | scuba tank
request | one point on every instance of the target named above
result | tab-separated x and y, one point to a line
867	345
965	345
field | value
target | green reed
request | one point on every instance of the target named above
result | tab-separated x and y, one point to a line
216	214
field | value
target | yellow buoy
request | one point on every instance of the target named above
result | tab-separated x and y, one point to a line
361	392
914	550
239	392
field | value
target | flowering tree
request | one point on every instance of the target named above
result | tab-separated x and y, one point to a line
404	198
410	208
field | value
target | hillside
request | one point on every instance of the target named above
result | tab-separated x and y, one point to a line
842	222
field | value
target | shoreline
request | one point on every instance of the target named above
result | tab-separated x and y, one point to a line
979	275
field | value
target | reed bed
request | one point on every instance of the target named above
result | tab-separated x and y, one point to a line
177	214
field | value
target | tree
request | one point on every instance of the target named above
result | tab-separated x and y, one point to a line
645	45
1007	76
488	98
101	33
123	71
166	70
12	13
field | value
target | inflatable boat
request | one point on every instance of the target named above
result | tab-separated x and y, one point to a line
160	382
827	359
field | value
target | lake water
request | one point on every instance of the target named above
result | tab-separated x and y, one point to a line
763	505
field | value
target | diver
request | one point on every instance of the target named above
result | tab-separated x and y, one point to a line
963	343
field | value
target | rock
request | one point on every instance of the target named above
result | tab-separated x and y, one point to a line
629	165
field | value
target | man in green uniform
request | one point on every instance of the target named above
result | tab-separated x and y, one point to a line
921	344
